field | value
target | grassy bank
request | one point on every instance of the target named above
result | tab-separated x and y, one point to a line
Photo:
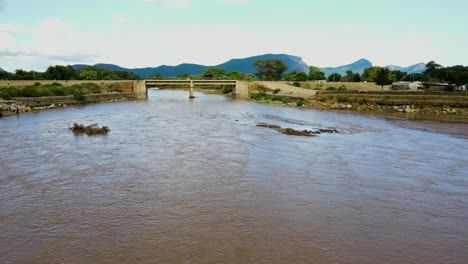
19	99
408	102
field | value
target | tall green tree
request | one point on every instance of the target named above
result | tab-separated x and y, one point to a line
315	74
432	71
235	75
383	77
270	69
214	73
334	77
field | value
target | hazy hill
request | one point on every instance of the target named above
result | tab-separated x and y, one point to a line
2	70
244	65
357	66
416	68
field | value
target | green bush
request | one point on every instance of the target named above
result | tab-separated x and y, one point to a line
342	98
277	98
332	89
37	84
78	96
57	91
297	84
276	91
342	89
56	84
9	92
259	96
300	103
30	91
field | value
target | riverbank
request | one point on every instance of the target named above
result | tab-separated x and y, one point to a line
17	97
21	105
436	106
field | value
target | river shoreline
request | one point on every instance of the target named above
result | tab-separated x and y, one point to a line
18	106
410	112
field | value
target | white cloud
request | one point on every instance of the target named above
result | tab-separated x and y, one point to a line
55	41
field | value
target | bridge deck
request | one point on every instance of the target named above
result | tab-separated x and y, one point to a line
194	82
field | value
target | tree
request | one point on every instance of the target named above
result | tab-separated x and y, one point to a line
397	76
370	74
235	75
60	72
88	73
315	74
214	73
183	76
270	69
383	77
432	70
349	76
334	77
158	76
290	76
301	77
5	75
356	77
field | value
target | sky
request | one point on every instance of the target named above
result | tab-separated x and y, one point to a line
35	34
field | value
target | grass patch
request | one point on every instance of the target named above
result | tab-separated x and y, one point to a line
276	91
342	99
80	97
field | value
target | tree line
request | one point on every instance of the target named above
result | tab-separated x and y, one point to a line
60	72
274	70
266	70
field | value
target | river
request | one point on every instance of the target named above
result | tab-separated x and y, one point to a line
179	181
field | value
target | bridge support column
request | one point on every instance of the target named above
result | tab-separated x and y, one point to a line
139	89
241	90
191	96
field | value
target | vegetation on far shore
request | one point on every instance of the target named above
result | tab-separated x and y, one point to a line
55	89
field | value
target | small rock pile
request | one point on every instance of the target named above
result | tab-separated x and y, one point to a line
294	132
93	129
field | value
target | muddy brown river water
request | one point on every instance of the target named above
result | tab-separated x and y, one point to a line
197	182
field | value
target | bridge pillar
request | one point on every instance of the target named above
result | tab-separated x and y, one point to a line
139	89
241	90
191	96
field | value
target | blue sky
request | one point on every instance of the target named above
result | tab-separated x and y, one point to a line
139	33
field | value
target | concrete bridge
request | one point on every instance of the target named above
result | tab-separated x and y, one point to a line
240	89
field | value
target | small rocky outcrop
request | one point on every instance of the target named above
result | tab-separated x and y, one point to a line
93	129
304	133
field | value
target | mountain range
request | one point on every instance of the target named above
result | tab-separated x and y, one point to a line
416	68
2	70
244	65
357	66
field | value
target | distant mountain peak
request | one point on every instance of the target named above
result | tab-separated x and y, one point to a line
244	65
357	66
415	68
